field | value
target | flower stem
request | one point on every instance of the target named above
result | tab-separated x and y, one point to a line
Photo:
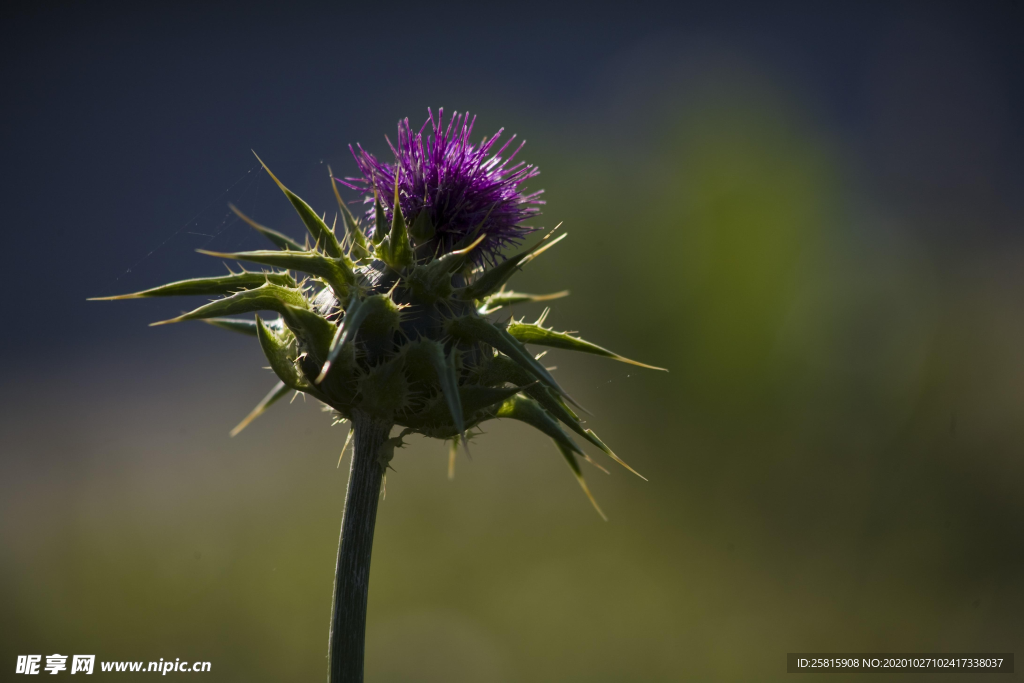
352	576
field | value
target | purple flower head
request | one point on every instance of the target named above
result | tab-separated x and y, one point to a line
465	189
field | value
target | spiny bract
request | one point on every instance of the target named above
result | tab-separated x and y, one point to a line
391	318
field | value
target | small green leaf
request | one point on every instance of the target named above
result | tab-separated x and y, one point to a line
281	241
380	220
593	438
554	405
529	333
278	392
268	297
475	398
322	235
242	325
432	281
354	231
495	301
359	311
280	350
473	328
500	369
449	382
454	261
529	411
208	286
504	369
314	330
399	253
493	279
336	272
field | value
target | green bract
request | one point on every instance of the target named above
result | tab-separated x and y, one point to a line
382	325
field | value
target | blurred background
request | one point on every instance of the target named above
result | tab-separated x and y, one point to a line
811	214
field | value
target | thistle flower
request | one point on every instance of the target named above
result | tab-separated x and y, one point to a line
386	322
452	187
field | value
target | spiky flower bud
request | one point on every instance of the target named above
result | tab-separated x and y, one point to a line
391	318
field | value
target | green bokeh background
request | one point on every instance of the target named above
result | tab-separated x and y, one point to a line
834	457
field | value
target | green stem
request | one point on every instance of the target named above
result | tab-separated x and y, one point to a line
352	575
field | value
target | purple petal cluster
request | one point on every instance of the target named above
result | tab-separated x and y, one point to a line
466	189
